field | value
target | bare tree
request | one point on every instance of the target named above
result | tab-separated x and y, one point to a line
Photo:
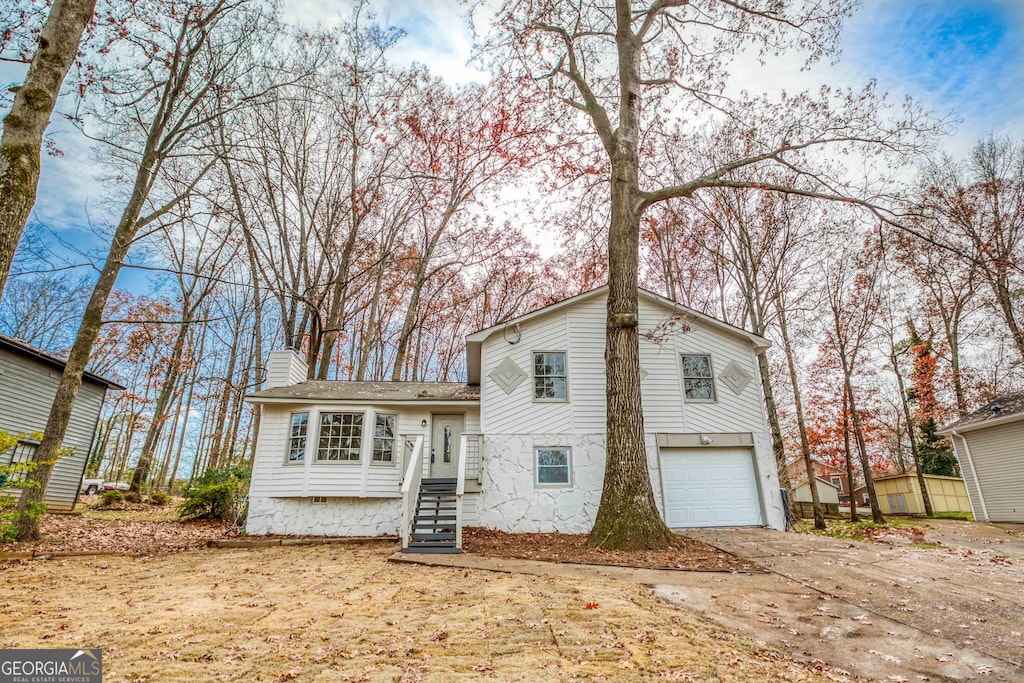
189	56
30	112
613	63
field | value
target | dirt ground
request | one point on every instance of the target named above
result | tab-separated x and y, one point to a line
342	613
690	554
131	528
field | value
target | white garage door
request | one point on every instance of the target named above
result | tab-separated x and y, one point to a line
709	487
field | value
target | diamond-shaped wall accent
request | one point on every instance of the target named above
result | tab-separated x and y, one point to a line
508	375
735	377
643	374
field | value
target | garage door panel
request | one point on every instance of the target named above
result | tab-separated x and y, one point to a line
709	487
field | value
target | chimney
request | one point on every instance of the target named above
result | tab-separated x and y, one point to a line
285	368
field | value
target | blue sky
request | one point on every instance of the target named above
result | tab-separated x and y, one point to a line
965	58
961	58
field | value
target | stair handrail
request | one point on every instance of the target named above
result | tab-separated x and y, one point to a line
410	488
460	489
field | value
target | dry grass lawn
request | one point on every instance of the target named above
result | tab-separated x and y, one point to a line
343	613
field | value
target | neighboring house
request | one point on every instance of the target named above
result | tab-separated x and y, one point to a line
900	494
28	384
989	444
521	446
828	496
834	475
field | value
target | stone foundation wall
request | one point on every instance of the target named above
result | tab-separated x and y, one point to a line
512	501
336	517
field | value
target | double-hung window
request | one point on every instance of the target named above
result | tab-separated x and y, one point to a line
549	378
297	437
341	437
553	467
384	438
698	381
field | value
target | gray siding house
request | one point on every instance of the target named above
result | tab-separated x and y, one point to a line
28	384
989	443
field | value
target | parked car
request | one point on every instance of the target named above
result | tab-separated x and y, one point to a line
116	486
91	486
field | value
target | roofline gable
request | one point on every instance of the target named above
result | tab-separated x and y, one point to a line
22	348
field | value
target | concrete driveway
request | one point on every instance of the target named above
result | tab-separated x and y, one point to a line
884	612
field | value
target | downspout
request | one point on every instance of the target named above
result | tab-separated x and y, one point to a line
974	474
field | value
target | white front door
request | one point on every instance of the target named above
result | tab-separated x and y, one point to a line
710	487
445	437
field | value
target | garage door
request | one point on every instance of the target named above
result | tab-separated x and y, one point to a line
709	487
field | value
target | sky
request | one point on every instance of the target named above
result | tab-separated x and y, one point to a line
959	59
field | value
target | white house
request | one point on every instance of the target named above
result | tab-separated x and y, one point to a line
521	446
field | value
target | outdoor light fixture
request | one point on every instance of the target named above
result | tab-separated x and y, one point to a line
423	423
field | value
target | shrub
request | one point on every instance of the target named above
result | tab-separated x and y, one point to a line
216	494
9	517
159	498
133	496
111	497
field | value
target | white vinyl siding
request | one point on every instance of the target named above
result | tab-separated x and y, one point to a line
27	389
998	455
272	476
580	329
511	413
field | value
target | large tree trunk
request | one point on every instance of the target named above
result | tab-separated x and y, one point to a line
628	516
805	444
30	113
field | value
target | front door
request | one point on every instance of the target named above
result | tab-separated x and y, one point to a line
445	437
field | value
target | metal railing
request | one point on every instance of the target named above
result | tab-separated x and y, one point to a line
471	455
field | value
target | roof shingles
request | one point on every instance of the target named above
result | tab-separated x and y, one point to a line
337	390
998	410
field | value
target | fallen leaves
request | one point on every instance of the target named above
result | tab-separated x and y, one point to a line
81	533
572	548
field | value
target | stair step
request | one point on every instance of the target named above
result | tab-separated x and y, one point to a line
440	480
433	518
433	537
449	549
433	528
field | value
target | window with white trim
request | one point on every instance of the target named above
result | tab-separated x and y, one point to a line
549	378
384	438
297	437
698	381
341	437
18	460
553	467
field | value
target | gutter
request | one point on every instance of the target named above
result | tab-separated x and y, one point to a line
974	475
